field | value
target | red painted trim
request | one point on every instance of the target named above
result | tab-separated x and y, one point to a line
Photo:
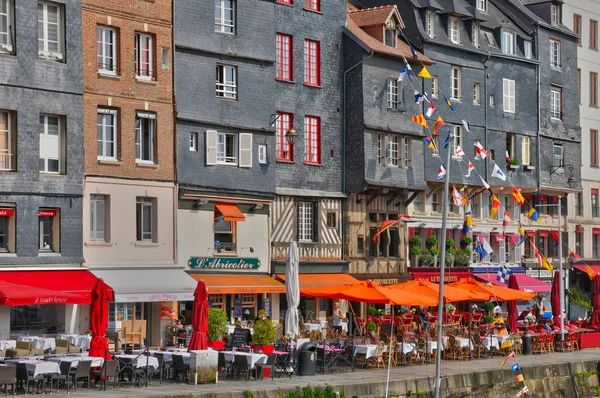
47	213
6	212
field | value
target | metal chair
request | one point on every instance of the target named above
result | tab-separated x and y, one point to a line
224	364
179	367
269	364
65	369
24	376
8	377
82	371
110	370
240	366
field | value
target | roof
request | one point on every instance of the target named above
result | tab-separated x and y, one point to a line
374	16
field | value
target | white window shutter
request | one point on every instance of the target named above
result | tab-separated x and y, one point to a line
501	252
211	147
245	150
518	253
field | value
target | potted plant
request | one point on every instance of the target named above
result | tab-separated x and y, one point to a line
372	328
402	311
450	308
465	242
372	311
217	327
264	334
431	242
514	164
426	259
488	319
489	307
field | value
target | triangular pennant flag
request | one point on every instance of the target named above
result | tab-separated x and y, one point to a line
418	97
404	72
447	140
426	97
467	225
438	121
384	226
507	157
430	111
515	367
424	73
456	197
591	273
495	206
523	391
506	344
480	150
536	253
518	378
521	236
518	197
458	153
429	142
533	215
448	102
466	125
498	173
546	264
485	184
575	256
441	173
556	238
511	355
507	219
412	50
420	119
470	168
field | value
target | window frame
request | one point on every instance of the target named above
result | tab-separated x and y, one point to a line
7	156
140	72
393	94
60	143
455	92
508	43
578	199
225	89
139	139
555	14
262	153
222	26
458	135
475	33
394	150
430	23
101	42
230	231
595	203
577	27
454	29
555	146
8	47
593	148
508	96
43	52
312	139
284	56
482	5
526	150
556	99
193	142
284	150
527	49
312	62
54	230
594	89
477	93
95	234
593	34
555	53
222	158
306	221
112	113
313	5
141	203
389	36
435	86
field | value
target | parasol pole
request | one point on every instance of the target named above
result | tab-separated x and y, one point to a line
438	352
561	284
387	382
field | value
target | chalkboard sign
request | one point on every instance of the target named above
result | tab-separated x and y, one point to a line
386	328
240	337
237	308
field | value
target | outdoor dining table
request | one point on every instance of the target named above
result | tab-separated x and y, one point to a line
325	325
253	358
168	355
490	342
6	344
139	361
231	329
368	350
96	361
312	327
40	343
82	341
35	366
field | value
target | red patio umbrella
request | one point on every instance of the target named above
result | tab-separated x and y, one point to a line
596	301
511	306
199	318
555	297
99	320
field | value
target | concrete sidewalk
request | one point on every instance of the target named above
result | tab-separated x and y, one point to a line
361	382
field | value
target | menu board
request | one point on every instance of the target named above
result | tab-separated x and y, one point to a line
237	308
240	337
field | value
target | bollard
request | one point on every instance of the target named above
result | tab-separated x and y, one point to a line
526	343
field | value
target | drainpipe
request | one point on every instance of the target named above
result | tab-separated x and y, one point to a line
344	146
539	87
485	108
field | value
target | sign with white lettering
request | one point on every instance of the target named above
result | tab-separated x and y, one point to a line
6	212
235	263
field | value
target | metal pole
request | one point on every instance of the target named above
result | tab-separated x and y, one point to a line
440	319
561	285
390	353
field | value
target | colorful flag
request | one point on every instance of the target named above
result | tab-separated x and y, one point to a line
458	153
521	236
456	197
511	355
518	197
467	225
441	172
430	111
518	378
536	253
486	246
438	121
507	219
466	125
429	142
546	264
426	97
503	274
418	97
495	206
448	102
404	72
507	157
533	215
424	73
498	173
412	50
506	344
470	168
419	119
575	256
591	273
523	391
485	184
556	238
515	367
384	226
481	252
480	150
447	141
488	284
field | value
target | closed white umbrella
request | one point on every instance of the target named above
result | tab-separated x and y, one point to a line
292	291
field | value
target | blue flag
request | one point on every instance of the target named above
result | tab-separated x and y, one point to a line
447	142
515	367
412	50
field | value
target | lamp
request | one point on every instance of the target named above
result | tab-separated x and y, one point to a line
200	202
495	229
290	135
257	206
249	248
422	225
359	199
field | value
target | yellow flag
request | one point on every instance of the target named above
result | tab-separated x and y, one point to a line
546	264
590	272
424	73
506	344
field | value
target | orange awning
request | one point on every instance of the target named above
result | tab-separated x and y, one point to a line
312	281
230	212
237	284
502	293
427	288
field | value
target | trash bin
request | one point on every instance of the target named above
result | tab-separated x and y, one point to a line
350	318
307	359
526	341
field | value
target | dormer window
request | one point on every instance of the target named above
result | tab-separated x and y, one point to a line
430	23
508	43
482	5
390	34
527	49
475	33
454	29
555	14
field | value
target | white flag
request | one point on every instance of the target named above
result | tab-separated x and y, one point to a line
498	173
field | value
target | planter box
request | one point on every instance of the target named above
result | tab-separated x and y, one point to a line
266	349
204	366
217	345
513	166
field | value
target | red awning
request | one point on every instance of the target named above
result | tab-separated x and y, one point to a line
582	268
524	281
449	276
596	231
230	212
73	285
543	234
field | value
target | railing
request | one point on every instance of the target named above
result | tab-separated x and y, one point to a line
5	160
225	247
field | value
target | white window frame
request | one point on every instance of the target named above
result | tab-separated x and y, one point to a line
222	157
139	51
43	41
527	49
508	43
389	36
554	14
458	133
393	97
54	231
476	93
454	29
392	150
262	154
193	142
508	95
475	33
6	155
561	158
405	155
526	150
106	36
306	221
455	83
45	138
555	104
482	5
555	53
96	234
142	203
139	137
221	24
430	23
435	85
7	36
105	114
226	89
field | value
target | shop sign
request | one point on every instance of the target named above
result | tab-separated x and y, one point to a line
544	273
237	308
168	310
387	281
267	305
235	263
50	300
447	278
533	272
6	212
46	213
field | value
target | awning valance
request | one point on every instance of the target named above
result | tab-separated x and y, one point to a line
238	284
148	284
449	276
312	281
524	281
230	212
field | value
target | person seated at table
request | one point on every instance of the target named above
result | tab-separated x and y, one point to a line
338	315
423	317
548	326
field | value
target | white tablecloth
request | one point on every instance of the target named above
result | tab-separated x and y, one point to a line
325	325
231	328
462	342
6	344
312	327
40	343
490	342
36	367
367	349
140	361
78	340
168	356
253	359
96	361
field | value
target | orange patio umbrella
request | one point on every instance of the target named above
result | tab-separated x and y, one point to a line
427	288
501	293
370	292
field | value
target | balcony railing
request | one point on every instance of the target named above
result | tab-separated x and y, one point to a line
225	247
5	160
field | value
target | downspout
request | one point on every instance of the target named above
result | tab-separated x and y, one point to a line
539	108
344	146
485	108
174	109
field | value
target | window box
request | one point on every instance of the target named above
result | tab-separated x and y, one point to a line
528	167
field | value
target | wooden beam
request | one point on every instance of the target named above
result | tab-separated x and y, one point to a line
411	198
433	190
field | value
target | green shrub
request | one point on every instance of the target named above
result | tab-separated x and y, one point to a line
426	258
449	243
488	319
372	311
466	240
431	241
371	326
217	324
514	162
576	297
415	250
415	240
434	252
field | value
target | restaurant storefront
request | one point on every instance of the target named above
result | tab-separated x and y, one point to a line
450	274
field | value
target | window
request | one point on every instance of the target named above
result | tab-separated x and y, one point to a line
49	230
454	29
511	144
283	56
508	43
331	220
312	139
430	23
51	144
595	243
475	207
394	150
579	85
556	103
406	158
227	148
306	221
492	100
578	204
193	142
390	36
313	5
508	95
143	56
476	93
455	83
434	86
595	203
106	39
593	34
557	155
594	148
98	218
166	58
594	89
225	16
50	31
393	101
579	242
381	150
482	5
7	141
555	53
262	154
457	132
555	14
144	214
435	202
490	38
418	202
224	234
527	49
312	62
475	33
577	27
526	151
226	82
145	125
7	229
284	150
6	26
107	133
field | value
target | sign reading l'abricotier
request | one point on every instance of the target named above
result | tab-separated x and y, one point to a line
223	263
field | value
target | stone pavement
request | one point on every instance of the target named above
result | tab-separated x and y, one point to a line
353	382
